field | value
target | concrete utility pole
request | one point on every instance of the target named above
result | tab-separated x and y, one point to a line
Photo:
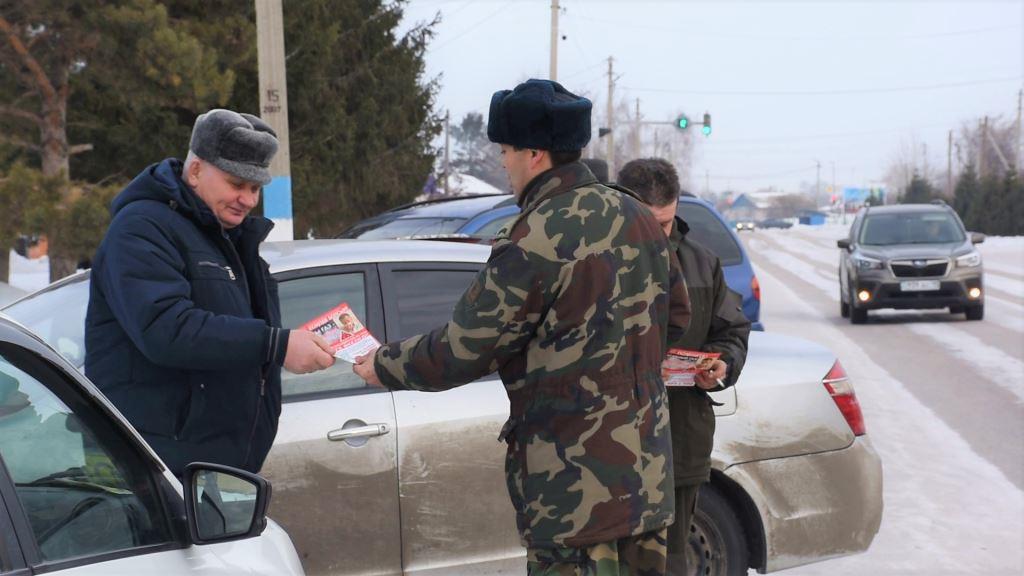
447	151
636	132
999	152
610	155
1020	152
981	148
277	196
554	40
817	186
949	165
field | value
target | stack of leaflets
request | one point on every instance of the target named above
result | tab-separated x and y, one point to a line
347	336
680	366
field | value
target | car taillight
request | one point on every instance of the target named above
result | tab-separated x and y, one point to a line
755	287
841	389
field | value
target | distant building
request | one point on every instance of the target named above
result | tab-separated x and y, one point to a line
812	217
753	205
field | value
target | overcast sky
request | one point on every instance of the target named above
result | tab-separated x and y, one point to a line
786	83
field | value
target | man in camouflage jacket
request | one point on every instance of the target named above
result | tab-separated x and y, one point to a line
717	324
573	309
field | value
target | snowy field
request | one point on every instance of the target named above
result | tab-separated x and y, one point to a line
943	399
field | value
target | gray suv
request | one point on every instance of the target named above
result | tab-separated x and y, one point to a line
910	256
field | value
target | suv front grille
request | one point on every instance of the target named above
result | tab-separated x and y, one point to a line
922	268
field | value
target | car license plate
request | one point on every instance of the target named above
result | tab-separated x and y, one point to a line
919	285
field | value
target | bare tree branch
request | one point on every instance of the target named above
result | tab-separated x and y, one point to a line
39	76
78	149
20	143
19	113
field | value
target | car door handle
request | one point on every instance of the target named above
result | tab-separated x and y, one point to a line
358	432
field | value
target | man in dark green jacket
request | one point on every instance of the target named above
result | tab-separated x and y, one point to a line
717	324
573	309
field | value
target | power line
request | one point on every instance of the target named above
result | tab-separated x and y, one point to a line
473	27
457	10
822	38
763	176
829	136
586	69
830	92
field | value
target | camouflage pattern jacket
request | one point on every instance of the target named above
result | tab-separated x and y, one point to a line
573	310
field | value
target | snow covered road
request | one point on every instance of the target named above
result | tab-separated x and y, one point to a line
943	399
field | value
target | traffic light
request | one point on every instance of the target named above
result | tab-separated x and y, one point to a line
682	122
706	129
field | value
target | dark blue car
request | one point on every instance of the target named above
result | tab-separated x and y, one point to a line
481	217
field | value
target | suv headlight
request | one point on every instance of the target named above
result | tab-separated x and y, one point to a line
969	260
865	263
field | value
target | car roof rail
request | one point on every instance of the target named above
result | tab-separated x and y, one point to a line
449	237
444	199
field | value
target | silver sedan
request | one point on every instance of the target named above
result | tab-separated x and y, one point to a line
374	482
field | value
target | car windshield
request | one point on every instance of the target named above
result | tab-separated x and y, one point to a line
404	227
63	331
708	230
910	228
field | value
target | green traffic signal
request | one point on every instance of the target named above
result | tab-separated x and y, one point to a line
683	122
706	128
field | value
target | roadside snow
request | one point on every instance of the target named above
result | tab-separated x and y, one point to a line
28	275
947	509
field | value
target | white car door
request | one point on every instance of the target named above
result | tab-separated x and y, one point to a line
333	463
77	496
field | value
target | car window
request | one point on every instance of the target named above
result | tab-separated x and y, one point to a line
84	489
8	544
404	227
303	299
426	298
492	228
65	331
910	228
708	230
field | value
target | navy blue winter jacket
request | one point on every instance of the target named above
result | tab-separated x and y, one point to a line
183	326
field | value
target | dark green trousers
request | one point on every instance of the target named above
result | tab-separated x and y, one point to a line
679	531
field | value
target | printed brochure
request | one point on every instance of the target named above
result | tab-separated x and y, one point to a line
680	366
346	334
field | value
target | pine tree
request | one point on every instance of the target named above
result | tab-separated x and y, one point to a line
475	154
360	111
965	195
920	191
75	78
127	79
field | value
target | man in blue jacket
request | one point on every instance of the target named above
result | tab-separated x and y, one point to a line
183	331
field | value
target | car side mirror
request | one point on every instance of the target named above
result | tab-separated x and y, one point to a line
224	503
977	237
844	244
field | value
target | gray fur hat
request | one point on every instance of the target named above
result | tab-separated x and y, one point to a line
239	144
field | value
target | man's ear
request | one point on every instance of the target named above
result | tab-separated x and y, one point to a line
537	157
193	173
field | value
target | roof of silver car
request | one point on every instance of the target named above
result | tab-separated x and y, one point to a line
898	208
300	254
297	254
